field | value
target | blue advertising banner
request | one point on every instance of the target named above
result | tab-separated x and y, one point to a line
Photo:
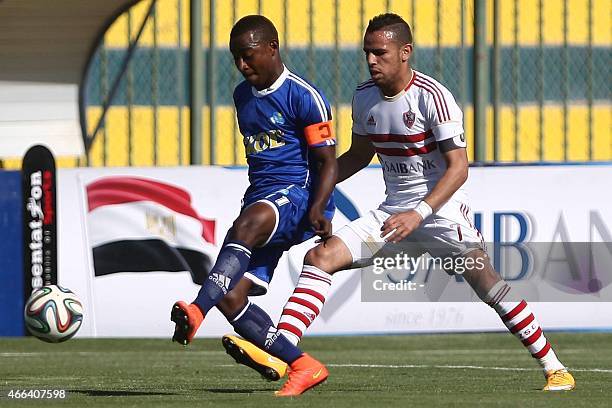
11	255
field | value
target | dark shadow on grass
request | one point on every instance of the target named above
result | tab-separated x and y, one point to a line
236	390
118	393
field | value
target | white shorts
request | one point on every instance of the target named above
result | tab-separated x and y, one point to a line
450	235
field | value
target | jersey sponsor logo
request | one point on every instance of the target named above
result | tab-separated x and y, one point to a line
277	119
371	121
271	139
418	167
409	118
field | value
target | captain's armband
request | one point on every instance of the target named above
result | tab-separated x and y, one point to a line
320	134
453	143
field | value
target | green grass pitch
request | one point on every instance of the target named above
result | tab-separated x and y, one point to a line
413	370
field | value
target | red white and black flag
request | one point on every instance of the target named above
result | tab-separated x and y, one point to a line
144	225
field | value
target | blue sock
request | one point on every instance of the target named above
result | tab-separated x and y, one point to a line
256	326
232	263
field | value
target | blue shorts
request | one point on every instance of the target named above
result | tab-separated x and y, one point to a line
292	227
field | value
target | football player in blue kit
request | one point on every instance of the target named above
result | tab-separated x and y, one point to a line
290	150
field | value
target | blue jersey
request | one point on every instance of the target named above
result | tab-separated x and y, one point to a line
279	124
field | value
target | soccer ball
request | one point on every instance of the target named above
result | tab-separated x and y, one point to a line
53	314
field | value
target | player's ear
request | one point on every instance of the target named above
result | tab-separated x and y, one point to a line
273	44
406	52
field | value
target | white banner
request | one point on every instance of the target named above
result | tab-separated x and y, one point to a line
546	204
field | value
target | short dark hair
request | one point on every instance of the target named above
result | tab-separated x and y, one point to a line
256	23
391	22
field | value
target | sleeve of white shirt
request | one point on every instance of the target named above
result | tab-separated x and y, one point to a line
444	115
358	126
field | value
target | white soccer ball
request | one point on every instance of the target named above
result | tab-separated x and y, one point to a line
53	314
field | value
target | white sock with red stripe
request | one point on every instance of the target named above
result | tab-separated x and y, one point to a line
305	303
521	322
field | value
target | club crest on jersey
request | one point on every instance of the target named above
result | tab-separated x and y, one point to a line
409	118
371	121
277	119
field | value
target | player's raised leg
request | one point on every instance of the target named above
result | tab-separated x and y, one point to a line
254	226
520	321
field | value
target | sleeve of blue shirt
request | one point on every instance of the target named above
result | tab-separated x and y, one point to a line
314	108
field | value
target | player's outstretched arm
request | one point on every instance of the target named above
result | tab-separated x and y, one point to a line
325	157
356	158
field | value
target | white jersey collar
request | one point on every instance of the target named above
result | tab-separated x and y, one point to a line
400	93
277	84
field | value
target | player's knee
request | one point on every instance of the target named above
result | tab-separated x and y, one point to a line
321	257
248	229
232	304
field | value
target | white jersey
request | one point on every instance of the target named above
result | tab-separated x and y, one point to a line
405	131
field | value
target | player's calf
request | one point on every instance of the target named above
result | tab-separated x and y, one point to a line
305	304
520	321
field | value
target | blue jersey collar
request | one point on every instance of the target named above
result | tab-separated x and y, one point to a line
277	84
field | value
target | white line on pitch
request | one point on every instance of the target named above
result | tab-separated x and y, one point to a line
452	367
472	367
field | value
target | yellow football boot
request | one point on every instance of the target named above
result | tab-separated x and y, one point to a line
248	354
559	380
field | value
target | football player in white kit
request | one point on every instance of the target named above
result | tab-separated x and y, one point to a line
414	125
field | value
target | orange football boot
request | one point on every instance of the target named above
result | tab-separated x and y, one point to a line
187	319
306	372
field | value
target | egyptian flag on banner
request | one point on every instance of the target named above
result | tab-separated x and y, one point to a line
143	225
